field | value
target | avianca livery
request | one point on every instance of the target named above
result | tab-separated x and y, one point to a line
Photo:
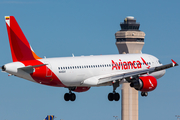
78	74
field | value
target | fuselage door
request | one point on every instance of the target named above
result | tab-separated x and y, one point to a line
48	69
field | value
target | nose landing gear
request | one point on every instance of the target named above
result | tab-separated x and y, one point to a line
144	94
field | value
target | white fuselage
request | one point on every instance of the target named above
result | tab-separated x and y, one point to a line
73	71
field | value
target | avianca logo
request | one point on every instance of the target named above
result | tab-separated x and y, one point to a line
124	65
151	84
145	63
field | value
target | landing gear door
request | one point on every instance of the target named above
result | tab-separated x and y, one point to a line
48	69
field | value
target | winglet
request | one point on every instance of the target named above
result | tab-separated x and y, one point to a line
174	63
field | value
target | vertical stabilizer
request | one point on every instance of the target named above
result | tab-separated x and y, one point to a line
20	47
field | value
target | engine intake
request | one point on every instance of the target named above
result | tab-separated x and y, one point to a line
144	83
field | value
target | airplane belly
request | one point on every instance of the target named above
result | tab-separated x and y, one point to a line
71	78
75	78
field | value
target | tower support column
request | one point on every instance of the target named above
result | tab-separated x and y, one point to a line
129	40
129	103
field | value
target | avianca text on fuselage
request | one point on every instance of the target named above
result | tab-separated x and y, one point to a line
125	65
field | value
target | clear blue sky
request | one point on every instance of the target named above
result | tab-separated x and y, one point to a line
63	27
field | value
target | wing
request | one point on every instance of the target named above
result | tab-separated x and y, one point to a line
97	80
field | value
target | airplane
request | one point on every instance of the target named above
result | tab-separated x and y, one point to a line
49	117
80	73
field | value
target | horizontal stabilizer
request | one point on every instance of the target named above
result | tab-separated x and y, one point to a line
30	69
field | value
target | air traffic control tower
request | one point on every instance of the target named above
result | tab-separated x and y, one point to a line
129	40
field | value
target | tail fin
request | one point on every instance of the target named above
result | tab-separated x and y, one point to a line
49	117
20	47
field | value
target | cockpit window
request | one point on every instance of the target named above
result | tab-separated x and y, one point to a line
159	62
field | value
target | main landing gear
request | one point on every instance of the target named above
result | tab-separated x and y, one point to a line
70	96
144	94
114	96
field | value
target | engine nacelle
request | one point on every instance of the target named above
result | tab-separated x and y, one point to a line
144	83
81	89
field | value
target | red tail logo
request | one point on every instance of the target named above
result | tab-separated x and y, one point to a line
20	47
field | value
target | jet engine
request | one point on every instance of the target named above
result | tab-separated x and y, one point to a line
81	89
144	83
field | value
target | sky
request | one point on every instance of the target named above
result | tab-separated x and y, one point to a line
60	28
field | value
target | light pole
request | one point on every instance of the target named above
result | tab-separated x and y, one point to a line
115	117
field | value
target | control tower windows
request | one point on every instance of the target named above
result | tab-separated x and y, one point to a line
129	39
127	27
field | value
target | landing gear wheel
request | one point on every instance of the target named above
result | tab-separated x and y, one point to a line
113	96
72	97
116	96
66	96
110	96
144	94
69	96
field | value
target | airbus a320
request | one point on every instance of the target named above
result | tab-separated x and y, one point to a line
79	74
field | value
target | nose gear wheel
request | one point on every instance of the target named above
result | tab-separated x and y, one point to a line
144	94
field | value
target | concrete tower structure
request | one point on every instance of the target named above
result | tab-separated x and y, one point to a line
129	40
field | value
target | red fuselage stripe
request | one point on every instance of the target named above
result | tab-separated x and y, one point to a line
43	74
